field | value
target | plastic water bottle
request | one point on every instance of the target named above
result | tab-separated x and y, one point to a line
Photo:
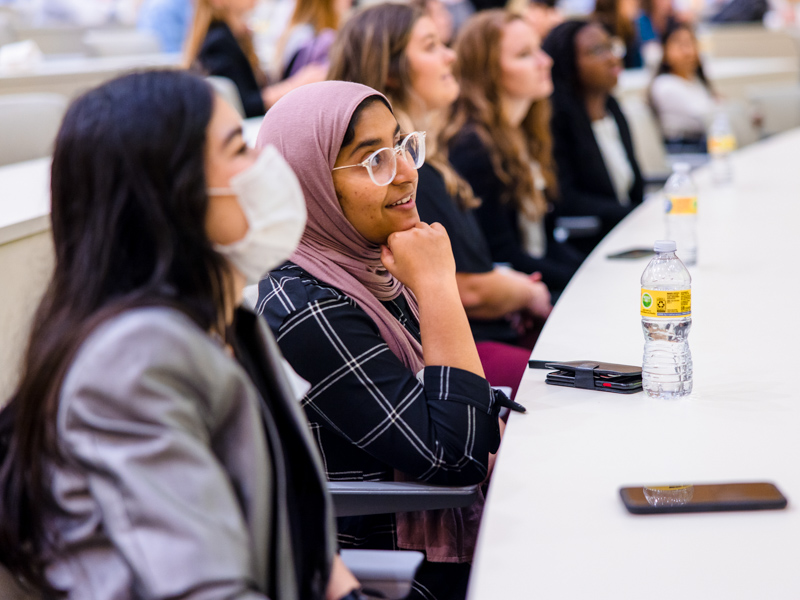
666	307
680	207
721	142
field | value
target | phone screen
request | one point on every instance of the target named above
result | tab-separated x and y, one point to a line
702	498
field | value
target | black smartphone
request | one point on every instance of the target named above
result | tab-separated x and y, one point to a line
625	384
654	499
633	253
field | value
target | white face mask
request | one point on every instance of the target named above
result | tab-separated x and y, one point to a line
275	209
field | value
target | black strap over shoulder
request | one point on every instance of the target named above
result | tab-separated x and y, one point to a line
306	497
7	418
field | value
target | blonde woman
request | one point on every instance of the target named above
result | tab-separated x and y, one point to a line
499	139
397	50
220	43
310	33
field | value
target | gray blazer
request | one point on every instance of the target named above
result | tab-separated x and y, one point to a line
169	485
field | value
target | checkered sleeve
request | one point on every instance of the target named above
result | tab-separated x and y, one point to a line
440	431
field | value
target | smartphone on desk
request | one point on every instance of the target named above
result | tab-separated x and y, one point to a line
625	384
656	499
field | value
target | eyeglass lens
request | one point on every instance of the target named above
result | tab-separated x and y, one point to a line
383	164
614	47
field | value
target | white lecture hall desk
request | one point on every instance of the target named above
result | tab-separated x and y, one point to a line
554	526
72	75
26	258
26	254
732	77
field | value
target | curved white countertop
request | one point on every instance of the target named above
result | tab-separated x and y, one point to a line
720	71
24	199
554	525
25	193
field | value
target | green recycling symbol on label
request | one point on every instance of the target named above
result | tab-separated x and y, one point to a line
647	300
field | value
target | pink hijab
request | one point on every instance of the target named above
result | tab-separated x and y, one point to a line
308	126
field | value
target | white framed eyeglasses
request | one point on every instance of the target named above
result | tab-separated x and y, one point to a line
382	164
615	47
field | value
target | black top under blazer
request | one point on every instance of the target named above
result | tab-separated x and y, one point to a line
222	56
584	182
500	219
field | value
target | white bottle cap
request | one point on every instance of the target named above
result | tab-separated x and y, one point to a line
665	246
681	167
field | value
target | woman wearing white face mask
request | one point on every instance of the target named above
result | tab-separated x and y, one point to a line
152	448
272	202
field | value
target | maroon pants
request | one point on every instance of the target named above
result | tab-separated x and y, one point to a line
503	364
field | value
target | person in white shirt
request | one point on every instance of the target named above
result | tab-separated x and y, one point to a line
681	95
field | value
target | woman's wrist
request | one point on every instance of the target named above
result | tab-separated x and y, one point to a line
437	288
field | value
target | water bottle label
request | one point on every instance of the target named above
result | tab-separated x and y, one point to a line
658	303
721	144
682	205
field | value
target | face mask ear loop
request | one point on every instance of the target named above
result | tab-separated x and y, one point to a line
220	192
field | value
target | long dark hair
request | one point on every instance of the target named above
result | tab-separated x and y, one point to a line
663	68
560	45
128	216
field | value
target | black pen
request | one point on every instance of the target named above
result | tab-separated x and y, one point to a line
516	406
504	400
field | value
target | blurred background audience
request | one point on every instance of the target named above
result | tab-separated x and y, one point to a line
618	18
598	173
220	43
681	95
310	33
169	20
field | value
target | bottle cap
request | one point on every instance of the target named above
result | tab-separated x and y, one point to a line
681	167
665	246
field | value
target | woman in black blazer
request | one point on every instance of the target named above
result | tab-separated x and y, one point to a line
221	44
597	170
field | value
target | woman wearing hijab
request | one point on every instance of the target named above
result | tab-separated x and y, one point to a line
368	312
396	49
